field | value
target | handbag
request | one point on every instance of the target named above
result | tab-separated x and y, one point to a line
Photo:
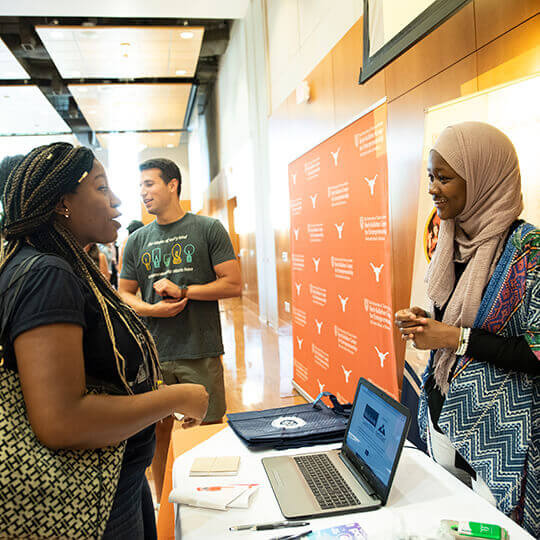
293	427
47	493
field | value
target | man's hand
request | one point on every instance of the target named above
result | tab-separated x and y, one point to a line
168	308
167	289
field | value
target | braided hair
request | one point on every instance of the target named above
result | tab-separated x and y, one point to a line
31	194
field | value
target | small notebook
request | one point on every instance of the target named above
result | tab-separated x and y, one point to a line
215	466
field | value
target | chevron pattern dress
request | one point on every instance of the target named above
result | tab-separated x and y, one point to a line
492	416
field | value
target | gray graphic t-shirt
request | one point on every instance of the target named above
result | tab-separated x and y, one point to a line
184	252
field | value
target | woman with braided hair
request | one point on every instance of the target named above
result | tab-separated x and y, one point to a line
87	365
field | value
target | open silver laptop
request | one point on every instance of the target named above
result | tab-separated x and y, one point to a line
356	478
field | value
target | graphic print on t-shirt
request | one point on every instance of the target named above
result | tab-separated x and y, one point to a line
168	256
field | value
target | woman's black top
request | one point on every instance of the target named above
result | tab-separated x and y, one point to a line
52	293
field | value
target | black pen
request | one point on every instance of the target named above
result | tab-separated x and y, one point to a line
291	536
269	526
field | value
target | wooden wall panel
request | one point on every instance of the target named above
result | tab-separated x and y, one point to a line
513	55
283	272
445	46
494	17
405	142
312	122
216	204
281	152
248	262
350	98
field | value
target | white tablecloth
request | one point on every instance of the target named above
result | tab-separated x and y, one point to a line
423	493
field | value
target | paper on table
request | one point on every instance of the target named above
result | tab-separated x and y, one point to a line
216	498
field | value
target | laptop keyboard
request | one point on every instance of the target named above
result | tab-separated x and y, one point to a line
329	488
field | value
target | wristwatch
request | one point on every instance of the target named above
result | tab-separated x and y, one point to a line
183	292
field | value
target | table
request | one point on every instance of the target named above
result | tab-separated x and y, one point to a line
423	493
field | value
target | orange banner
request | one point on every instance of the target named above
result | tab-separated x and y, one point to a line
340	258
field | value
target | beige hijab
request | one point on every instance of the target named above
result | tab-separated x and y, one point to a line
486	159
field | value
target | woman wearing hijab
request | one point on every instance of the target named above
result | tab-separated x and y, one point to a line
479	407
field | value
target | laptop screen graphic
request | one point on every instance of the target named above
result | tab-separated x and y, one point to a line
375	432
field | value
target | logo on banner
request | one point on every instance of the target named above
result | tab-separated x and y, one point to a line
343	302
321	386
298	287
339	229
335	156
319	326
294	179
288	422
377	271
300	341
314	199
346	373
371	183
382	356
296	231
316	261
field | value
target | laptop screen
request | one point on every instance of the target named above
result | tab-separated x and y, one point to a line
375	433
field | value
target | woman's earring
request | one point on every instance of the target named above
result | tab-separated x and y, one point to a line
66	213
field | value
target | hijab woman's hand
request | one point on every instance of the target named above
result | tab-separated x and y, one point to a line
427	333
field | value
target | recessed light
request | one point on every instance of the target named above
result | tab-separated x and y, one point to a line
82	89
92	111
170	146
186	35
181	72
172	134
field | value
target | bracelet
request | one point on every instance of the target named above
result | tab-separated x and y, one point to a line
464	335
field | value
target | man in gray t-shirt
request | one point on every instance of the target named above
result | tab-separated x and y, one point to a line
182	264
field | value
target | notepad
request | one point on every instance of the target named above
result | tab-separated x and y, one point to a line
215	466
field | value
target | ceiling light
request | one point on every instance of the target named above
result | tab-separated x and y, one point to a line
75	74
92	111
82	89
124	49
172	134
186	35
181	71
170	146
57	34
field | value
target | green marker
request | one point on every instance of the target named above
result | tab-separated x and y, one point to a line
473	530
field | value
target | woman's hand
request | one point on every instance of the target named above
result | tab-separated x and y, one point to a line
426	333
192	402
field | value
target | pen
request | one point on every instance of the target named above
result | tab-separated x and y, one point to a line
291	536
268	526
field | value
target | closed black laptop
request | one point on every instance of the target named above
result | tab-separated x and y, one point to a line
355	478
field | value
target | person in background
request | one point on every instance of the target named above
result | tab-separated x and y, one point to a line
99	259
6	166
131	228
480	402
71	334
183	264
